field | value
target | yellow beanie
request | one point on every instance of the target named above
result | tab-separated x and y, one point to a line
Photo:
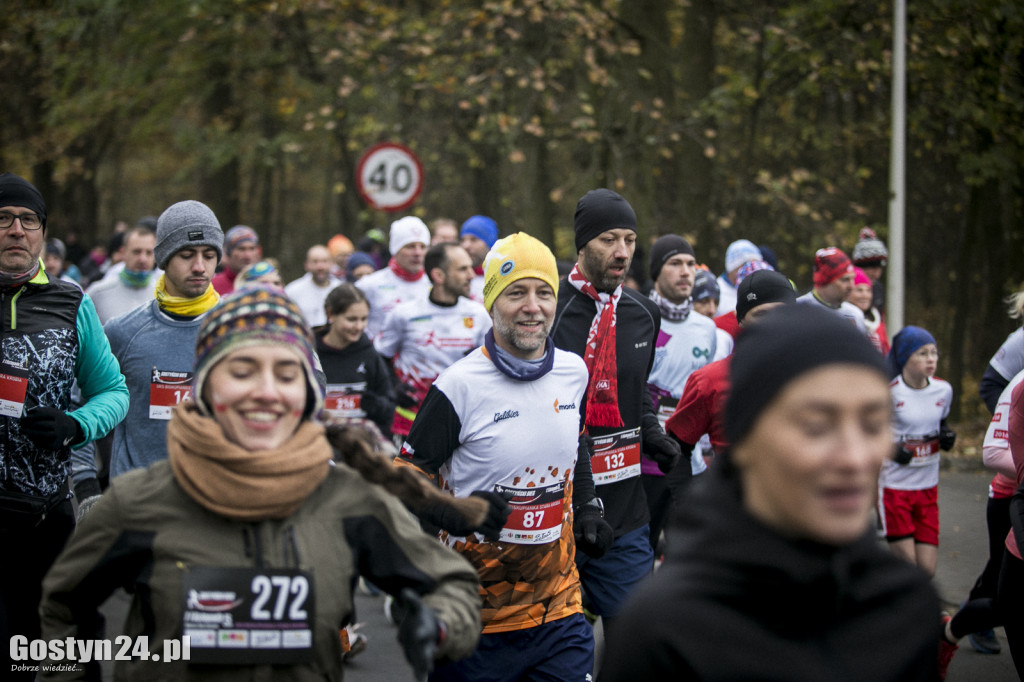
515	257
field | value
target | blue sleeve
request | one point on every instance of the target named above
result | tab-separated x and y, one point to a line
104	393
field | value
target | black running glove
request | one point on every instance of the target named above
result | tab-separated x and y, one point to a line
947	438
593	534
661	447
902	455
420	632
50	428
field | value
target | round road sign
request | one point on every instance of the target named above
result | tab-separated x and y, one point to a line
390	176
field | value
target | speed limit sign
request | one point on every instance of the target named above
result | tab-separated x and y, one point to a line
390	176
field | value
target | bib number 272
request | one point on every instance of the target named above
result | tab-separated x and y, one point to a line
286	594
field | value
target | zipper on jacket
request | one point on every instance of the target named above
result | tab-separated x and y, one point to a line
291	546
251	537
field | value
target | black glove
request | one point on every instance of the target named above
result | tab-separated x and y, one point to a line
947	438
50	428
902	455
448	518
88	493
661	447
593	534
406	396
419	632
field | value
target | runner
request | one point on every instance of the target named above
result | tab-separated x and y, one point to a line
478	235
686	342
358	379
773	570
860	296
739	252
422	337
615	330
241	249
700	410
705	302
153	343
247	512
909	483
506	420
52	339
833	282
310	291
403	279
1008	360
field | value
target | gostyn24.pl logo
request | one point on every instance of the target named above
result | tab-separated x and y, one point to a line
123	648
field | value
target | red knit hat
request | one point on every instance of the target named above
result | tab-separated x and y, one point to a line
829	265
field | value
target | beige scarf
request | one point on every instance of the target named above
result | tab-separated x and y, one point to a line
229	480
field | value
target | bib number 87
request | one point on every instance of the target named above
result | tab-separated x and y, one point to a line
292	592
533	519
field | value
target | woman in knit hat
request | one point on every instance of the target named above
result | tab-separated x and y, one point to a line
247	534
775	551
874	321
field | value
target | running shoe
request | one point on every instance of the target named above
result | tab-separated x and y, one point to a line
985	642
946	650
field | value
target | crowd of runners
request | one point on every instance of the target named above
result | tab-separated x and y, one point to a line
739	481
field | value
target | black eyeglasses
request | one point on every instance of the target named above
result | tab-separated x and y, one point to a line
29	221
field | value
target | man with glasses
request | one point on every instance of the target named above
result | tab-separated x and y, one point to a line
50	338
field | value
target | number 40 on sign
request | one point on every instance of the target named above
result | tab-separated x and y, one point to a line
390	177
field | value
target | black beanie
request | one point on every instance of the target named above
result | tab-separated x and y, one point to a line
600	210
792	341
760	287
17	191
664	248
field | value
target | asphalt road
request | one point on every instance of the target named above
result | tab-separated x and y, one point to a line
962	554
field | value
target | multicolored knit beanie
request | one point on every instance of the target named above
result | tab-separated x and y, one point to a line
252	316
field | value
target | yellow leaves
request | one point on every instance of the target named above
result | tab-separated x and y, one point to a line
516	156
286	106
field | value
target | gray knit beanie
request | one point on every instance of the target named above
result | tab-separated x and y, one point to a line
186	224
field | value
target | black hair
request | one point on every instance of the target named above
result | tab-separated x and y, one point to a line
438	256
341	297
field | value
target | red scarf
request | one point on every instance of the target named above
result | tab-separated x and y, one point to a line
402	273
603	389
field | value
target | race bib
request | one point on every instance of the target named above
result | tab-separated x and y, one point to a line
536	516
344	400
666	408
926	450
13	386
616	456
167	389
241	616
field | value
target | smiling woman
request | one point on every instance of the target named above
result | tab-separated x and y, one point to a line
249	504
775	547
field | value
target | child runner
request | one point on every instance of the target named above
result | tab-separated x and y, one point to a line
909	483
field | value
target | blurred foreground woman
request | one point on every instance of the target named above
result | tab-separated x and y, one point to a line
247	539
773	570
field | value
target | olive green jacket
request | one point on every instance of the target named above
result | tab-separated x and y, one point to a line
147	533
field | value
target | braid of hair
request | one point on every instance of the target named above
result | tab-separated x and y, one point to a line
358	450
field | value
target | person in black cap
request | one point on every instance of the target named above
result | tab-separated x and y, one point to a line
52	338
775	551
686	342
615	330
700	408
